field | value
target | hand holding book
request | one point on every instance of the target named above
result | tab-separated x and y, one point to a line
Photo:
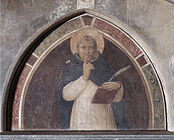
106	93
110	86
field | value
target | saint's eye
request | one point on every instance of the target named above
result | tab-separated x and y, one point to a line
83	47
91	47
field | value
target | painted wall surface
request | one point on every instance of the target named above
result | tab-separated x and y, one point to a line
153	20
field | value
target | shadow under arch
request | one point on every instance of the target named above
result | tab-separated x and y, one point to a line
24	55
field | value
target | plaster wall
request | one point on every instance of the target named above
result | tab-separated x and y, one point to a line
153	20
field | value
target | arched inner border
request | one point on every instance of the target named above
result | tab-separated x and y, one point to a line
51	48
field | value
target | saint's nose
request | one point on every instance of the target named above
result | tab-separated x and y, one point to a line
87	50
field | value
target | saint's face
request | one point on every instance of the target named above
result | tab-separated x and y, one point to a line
87	51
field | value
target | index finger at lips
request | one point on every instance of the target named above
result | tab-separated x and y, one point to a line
86	62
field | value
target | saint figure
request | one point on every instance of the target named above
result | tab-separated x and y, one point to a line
81	78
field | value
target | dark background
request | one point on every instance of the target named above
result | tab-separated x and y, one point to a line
41	103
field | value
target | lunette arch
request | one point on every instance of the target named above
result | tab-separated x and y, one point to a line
17	67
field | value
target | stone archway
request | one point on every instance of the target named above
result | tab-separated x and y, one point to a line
113	33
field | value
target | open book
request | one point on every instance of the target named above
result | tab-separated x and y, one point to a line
104	96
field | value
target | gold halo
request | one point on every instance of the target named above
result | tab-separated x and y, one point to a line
87	31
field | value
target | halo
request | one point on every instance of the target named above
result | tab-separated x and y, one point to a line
87	31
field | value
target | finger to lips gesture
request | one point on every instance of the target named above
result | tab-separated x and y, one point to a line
87	67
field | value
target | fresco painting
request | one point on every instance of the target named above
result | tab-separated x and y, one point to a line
86	83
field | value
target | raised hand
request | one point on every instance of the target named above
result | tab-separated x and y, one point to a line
87	67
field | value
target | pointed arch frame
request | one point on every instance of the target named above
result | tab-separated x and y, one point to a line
23	56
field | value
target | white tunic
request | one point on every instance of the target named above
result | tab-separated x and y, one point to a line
86	115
